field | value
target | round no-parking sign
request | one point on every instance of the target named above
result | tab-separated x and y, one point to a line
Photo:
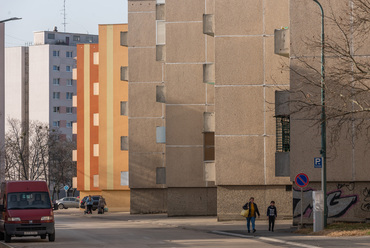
301	180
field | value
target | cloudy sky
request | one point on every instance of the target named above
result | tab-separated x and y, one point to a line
82	16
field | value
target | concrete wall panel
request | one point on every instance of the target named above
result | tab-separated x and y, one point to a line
180	11
240	160
239	60
184	167
248	111
143	169
184	84
141	6
276	15
184	124
185	42
143	101
239	17
192	201
148	201
142	135
142	30
147	69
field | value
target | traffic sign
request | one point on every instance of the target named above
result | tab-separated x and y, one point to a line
317	162
66	188
301	180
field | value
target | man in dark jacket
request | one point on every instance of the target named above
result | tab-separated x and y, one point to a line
253	210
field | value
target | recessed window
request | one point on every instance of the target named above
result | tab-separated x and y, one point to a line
69	110
55	53
283	133
68	68
51	36
69	95
69	54
56	123
56	68
69	124
69	82
56	109
56	81
209	146
76	38
56	95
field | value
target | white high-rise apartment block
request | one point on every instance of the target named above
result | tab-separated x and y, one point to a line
38	79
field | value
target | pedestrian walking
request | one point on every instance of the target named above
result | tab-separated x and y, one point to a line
89	204
272	214
101	205
253	211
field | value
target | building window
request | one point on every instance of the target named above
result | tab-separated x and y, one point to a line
56	123
69	54
56	81
56	95
76	38
89	39
209	146
282	133
56	68
69	95
56	109
68	68
51	36
69	110
69	124
55	53
69	82
124	108
124	143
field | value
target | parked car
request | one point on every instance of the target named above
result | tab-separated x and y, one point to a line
95	199
68	202
26	210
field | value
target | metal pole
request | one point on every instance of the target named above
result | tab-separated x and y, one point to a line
323	116
301	207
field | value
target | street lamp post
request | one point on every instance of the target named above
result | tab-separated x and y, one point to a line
2	95
323	116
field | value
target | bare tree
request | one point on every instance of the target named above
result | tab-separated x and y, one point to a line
38	153
347	69
61	167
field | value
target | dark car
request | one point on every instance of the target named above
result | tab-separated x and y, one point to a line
95	199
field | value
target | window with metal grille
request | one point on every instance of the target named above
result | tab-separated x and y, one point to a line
282	133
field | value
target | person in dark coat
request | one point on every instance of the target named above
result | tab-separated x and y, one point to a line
253	211
272	214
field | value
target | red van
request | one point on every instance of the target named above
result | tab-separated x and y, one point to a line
26	210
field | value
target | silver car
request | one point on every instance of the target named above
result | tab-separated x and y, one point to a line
68	202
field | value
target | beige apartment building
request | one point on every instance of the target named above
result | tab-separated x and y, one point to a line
203	82
201	87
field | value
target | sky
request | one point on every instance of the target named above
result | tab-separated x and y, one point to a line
82	16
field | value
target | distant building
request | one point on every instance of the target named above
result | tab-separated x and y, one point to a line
102	122
38	79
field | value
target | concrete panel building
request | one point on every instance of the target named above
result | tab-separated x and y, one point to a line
219	78
347	157
102	122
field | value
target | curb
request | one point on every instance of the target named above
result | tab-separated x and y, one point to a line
3	245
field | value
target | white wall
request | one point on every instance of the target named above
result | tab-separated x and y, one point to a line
39	97
14	81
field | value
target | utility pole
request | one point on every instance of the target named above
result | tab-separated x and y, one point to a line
323	116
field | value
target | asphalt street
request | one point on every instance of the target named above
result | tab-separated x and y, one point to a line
74	229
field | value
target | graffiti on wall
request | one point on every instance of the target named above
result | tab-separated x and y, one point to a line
366	205
338	204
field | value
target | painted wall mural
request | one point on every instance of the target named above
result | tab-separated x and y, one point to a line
337	202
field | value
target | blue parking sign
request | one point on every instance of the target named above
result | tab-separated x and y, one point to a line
318	162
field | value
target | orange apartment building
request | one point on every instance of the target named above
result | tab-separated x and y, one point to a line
102	122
